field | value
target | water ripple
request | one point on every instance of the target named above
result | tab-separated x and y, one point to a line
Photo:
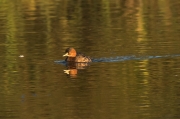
123	58
133	57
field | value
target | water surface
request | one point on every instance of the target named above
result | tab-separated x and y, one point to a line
135	48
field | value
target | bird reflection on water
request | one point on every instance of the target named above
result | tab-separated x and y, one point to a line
73	67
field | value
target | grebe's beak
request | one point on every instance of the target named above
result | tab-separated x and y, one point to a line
66	55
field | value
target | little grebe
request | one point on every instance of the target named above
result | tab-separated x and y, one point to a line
72	56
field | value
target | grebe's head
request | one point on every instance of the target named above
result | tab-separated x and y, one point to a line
70	52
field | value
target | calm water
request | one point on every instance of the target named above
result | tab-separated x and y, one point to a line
136	49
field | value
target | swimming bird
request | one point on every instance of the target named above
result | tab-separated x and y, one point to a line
73	56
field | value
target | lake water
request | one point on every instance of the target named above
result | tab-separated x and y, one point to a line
135	46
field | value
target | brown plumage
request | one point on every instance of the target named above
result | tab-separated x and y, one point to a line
73	56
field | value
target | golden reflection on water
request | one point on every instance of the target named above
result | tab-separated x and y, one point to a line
144	99
140	23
